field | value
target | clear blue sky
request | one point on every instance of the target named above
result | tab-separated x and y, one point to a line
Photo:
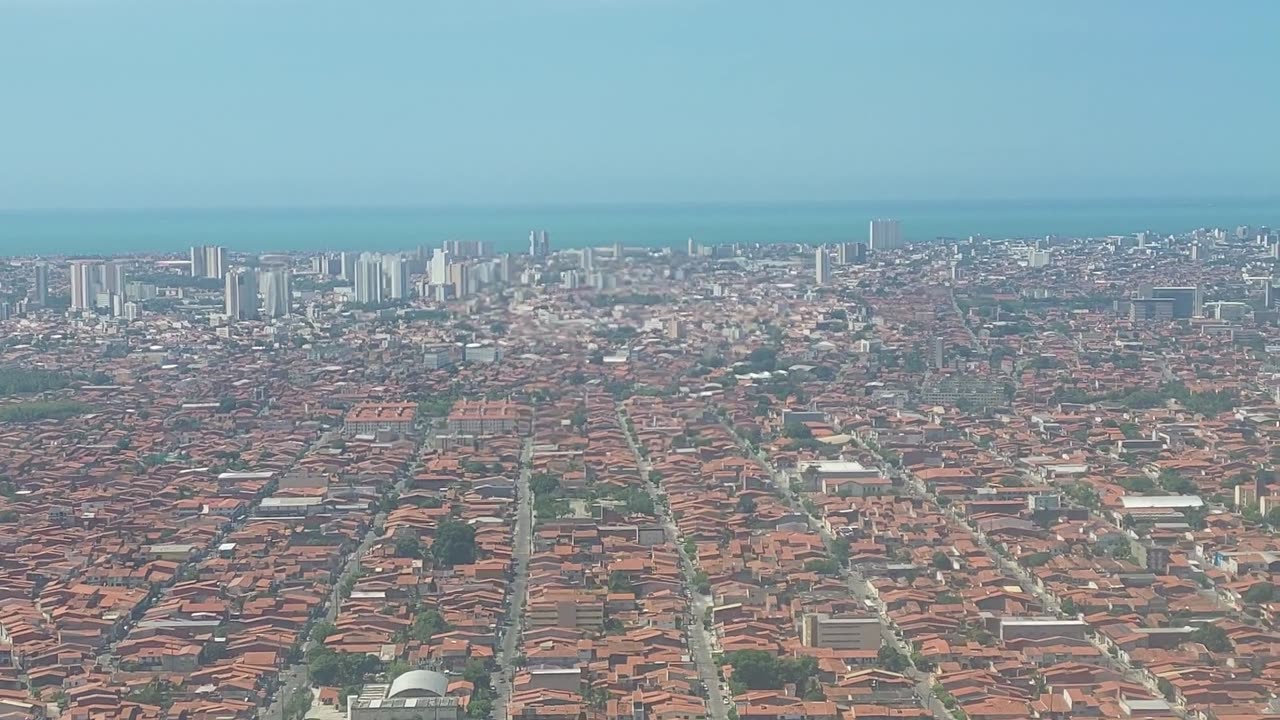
141	103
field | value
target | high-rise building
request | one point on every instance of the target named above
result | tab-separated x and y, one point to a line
885	234
588	258
277	293
40	291
691	247
197	261
132	311
505	268
822	266
347	266
208	261
539	243
368	279
396	269
461	280
240	294
938	352
84	284
112	278
438	272
619	251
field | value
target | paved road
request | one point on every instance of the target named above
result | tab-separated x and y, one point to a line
521	550
699	638
858	586
294	677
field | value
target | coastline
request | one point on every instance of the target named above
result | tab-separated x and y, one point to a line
279	229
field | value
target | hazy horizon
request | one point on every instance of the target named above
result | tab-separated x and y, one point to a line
281	103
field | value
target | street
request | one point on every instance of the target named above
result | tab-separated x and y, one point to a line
521	549
696	633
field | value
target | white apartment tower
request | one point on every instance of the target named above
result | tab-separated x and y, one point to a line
822	266
84	284
438	272
208	261
368	279
277	293
240	294
539	243
397	275
885	234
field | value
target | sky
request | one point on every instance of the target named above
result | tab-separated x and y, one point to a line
206	103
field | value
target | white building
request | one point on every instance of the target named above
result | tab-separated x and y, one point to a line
438	273
84	284
368	279
885	234
240	294
397	277
822	266
208	261
277	293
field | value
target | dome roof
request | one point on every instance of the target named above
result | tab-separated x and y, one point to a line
419	683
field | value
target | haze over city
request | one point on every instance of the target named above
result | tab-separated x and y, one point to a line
623	360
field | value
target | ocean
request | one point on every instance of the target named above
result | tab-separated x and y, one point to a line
118	232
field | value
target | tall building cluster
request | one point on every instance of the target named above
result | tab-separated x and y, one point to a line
378	278
94	284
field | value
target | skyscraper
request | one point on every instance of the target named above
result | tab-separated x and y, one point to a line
822	266
885	234
396	270
84	282
240	294
504	268
277	293
231	296
40	293
197	261
461	280
588	258
539	243
113	278
691	247
439	270
368	279
208	261
347	261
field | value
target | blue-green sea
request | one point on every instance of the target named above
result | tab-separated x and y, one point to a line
111	232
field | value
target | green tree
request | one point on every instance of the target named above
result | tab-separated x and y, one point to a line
823	566
455	544
1212	637
407	544
544	484
888	658
1261	593
427	625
